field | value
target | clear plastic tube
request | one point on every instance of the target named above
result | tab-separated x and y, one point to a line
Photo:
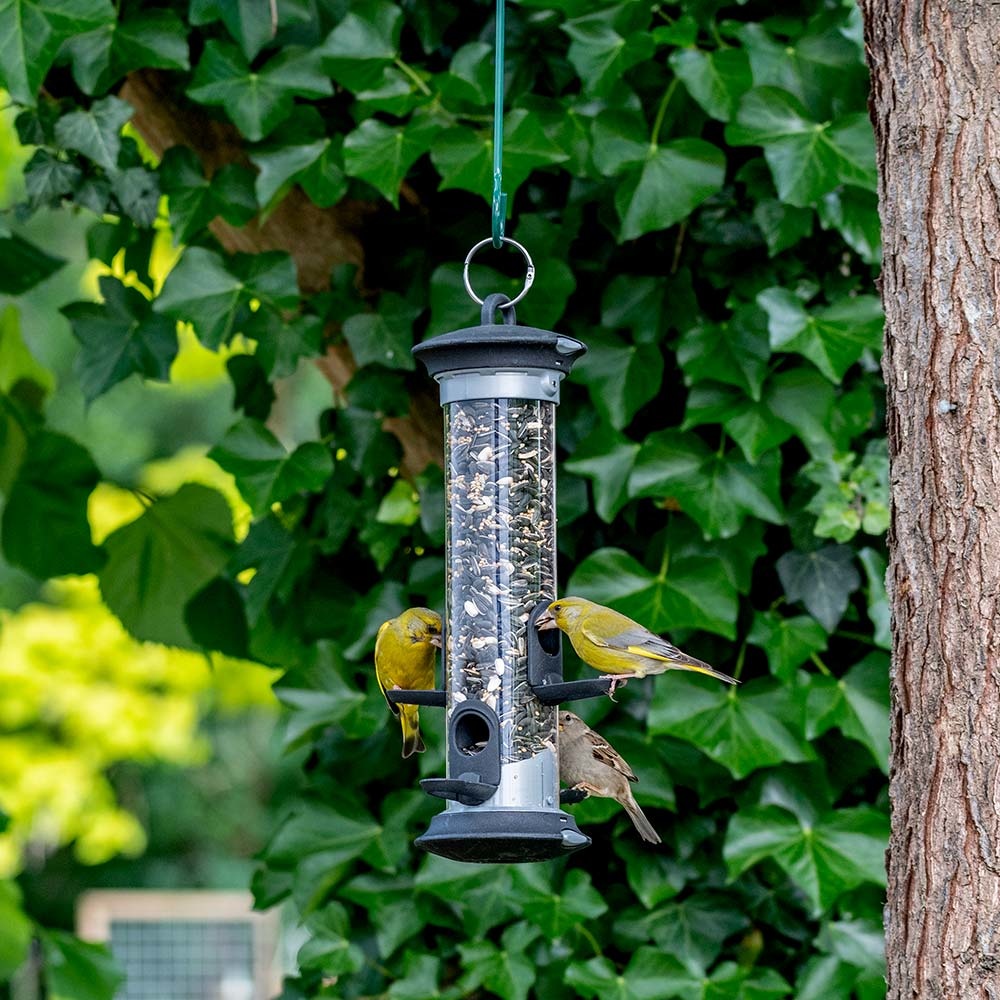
500	556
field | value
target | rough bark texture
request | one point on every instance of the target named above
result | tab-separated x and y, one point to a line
935	105
318	239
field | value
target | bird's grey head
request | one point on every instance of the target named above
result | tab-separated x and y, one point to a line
571	725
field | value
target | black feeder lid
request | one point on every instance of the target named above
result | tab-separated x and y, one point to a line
499	344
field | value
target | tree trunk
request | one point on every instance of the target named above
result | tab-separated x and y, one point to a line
935	105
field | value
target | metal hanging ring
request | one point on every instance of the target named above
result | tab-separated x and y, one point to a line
529	274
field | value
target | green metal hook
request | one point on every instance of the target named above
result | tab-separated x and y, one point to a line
499	198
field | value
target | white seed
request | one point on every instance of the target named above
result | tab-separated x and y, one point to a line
493	683
500	666
470	609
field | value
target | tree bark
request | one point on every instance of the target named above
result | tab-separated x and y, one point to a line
935	105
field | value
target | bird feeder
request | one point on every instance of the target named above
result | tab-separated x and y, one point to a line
499	386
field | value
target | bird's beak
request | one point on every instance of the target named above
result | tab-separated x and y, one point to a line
435	640
545	621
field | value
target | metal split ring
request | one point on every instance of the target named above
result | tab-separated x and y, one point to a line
529	274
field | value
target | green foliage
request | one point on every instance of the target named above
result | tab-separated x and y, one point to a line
696	183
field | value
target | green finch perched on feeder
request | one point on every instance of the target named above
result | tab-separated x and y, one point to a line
404	661
616	645
588	763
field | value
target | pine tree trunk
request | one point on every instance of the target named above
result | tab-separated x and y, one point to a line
935	106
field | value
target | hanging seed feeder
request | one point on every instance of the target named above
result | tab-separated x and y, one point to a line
499	386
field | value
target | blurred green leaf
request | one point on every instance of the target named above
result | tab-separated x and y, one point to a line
16	938
32	34
146	38
158	562
45	529
78	970
265	472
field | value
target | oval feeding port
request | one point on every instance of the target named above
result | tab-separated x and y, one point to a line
472	733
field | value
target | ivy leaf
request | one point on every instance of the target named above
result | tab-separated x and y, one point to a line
78	970
718	491
716	79
599	54
873	564
857	704
735	352
382	154
194	200
46	179
384	337
464	157
606	458
757	725
119	337
781	225
257	100
138	192
202	290
31	34
621	377
788	642
842	849
853	212
697	926
823	580
264	471
358	49
650	975
25	265
619	139
691	591
97	132
807	158
45	528
554	913
300	152
675	178
160	561
832	338
506	971
281	345
155	39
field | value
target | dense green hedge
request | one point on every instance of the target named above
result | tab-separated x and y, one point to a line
696	183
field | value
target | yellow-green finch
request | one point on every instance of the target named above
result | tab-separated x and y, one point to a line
589	763
404	661
614	644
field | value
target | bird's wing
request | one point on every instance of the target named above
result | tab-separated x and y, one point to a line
606	754
379	637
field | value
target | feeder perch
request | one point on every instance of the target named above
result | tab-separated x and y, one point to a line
499	387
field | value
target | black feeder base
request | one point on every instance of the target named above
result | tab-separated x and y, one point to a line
502	835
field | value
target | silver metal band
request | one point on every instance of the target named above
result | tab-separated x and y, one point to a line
524	784
529	383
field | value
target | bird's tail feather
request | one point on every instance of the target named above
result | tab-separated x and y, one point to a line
409	718
704	668
640	822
